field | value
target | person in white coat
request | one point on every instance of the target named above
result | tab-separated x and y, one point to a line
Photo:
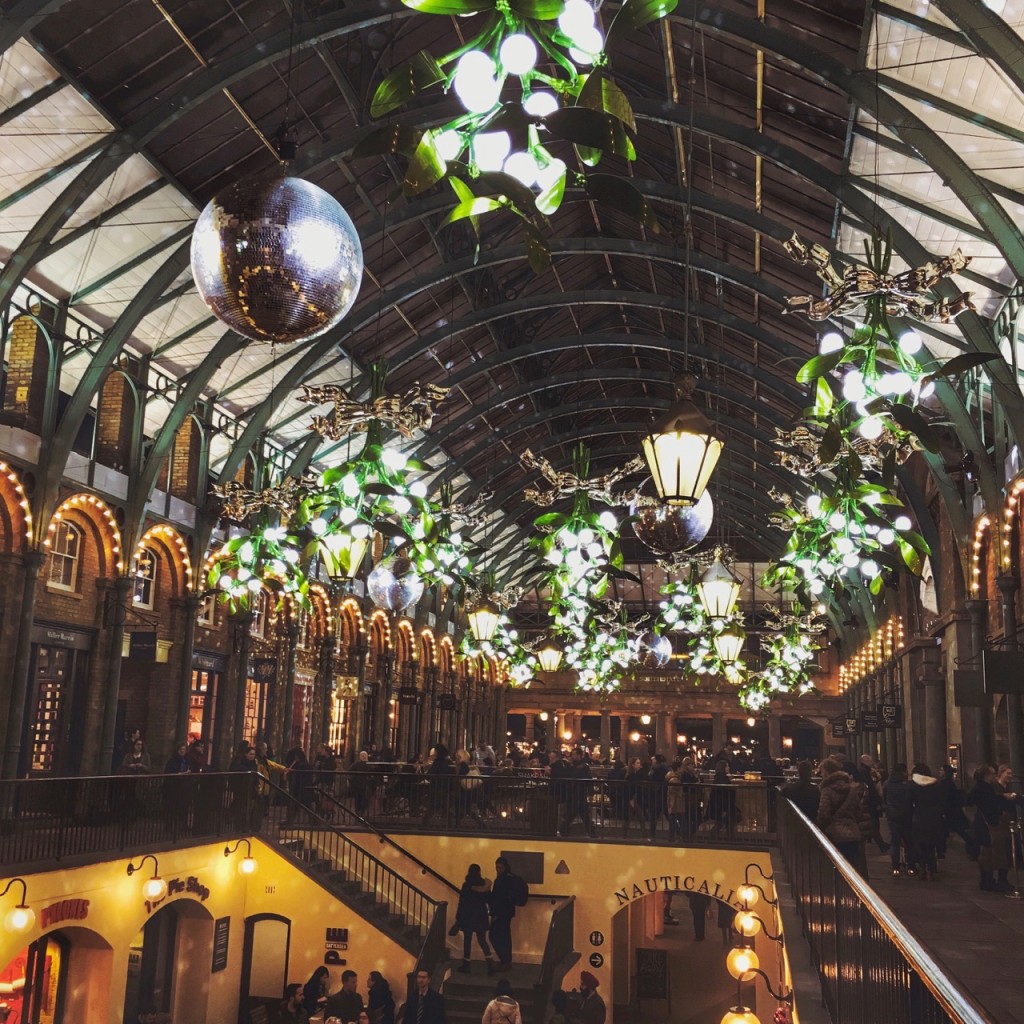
503	1008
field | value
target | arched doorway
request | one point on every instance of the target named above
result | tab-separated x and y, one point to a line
162	981
264	961
62	977
669	951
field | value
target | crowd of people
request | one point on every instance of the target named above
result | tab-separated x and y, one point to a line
922	809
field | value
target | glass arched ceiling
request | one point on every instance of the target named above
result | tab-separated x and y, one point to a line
120	119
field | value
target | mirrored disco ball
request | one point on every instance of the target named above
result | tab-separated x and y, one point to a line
277	259
394	584
668	529
655	651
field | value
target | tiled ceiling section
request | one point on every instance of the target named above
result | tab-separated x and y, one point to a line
755	93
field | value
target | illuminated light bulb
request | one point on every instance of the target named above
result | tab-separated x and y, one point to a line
588	48
870	568
608	521
350	486
927	389
902	523
843	545
540	104
518	54
395	460
852	560
19	920
837	520
154	889
576	18
831	342
449	144
490	150
871	428
853	386
523	167
813	505
741	963
741	1015
746	923
475	69
910	342
886	536
247	866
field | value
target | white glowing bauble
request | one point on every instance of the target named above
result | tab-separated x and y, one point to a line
576	18
871	428
831	342
418	489
837	520
246	552
449	144
477	95
886	536
522	167
586	537
540	104
910	342
518	54
490	150
395	460
254	586
813	505
843	545
870	568
902	523
851	560
360	530
350	486
816	587
898	383
853	386
927	389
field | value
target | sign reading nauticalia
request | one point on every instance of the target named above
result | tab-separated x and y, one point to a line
676	883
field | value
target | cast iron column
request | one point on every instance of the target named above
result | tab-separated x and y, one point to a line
1014	727
122	587
190	605
984	732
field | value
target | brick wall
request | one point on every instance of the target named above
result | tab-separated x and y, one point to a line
27	362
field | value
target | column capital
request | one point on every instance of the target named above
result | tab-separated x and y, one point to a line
1008	583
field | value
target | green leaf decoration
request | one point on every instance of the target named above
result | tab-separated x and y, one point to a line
389	530
551	521
538	10
602	94
916	541
472	208
588	156
830	443
914	422
497	183
389	139
620	574
889	469
551	198
911	557
824	400
592	128
961	364
426	167
818	366
624	196
877	585
634	14
450	7
402	84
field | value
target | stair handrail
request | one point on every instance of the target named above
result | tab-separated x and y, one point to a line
385	838
557	946
440	907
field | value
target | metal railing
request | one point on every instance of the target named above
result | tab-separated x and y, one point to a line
557	948
742	813
870	966
43	821
360	877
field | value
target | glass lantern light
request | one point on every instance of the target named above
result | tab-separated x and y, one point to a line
483	620
729	643
549	654
718	590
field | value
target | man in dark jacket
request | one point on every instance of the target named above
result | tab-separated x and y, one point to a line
803	793
424	1006
898	804
346	1004
502	902
927	800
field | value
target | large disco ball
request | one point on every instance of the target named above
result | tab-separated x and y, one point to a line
668	529
655	651
394	584
277	259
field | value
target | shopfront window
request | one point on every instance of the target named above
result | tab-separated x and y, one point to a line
32	986
65	556
202	706
145	579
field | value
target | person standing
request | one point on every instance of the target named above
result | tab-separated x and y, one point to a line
503	1008
699	904
424	1005
843	814
314	992
927	802
589	1008
380	1003
346	1003
899	808
471	917
508	892
803	794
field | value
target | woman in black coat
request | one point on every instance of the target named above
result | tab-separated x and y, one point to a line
379	1000
471	917
991	829
927	828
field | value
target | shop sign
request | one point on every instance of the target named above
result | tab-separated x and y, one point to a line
190	886
61	636
63	910
446	702
838	728
304	678
869	721
209	662
891	715
335	943
346	687
263	670
142	645
221	931
675	883
852	726
408	695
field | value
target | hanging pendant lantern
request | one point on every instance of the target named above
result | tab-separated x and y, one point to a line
729	644
681	450
550	654
718	590
483	620
344	555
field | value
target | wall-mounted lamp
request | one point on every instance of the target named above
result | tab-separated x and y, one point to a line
751	892
645	719
21	918
153	889
741	1015
247	865
543	716
634	736
743	964
748	924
